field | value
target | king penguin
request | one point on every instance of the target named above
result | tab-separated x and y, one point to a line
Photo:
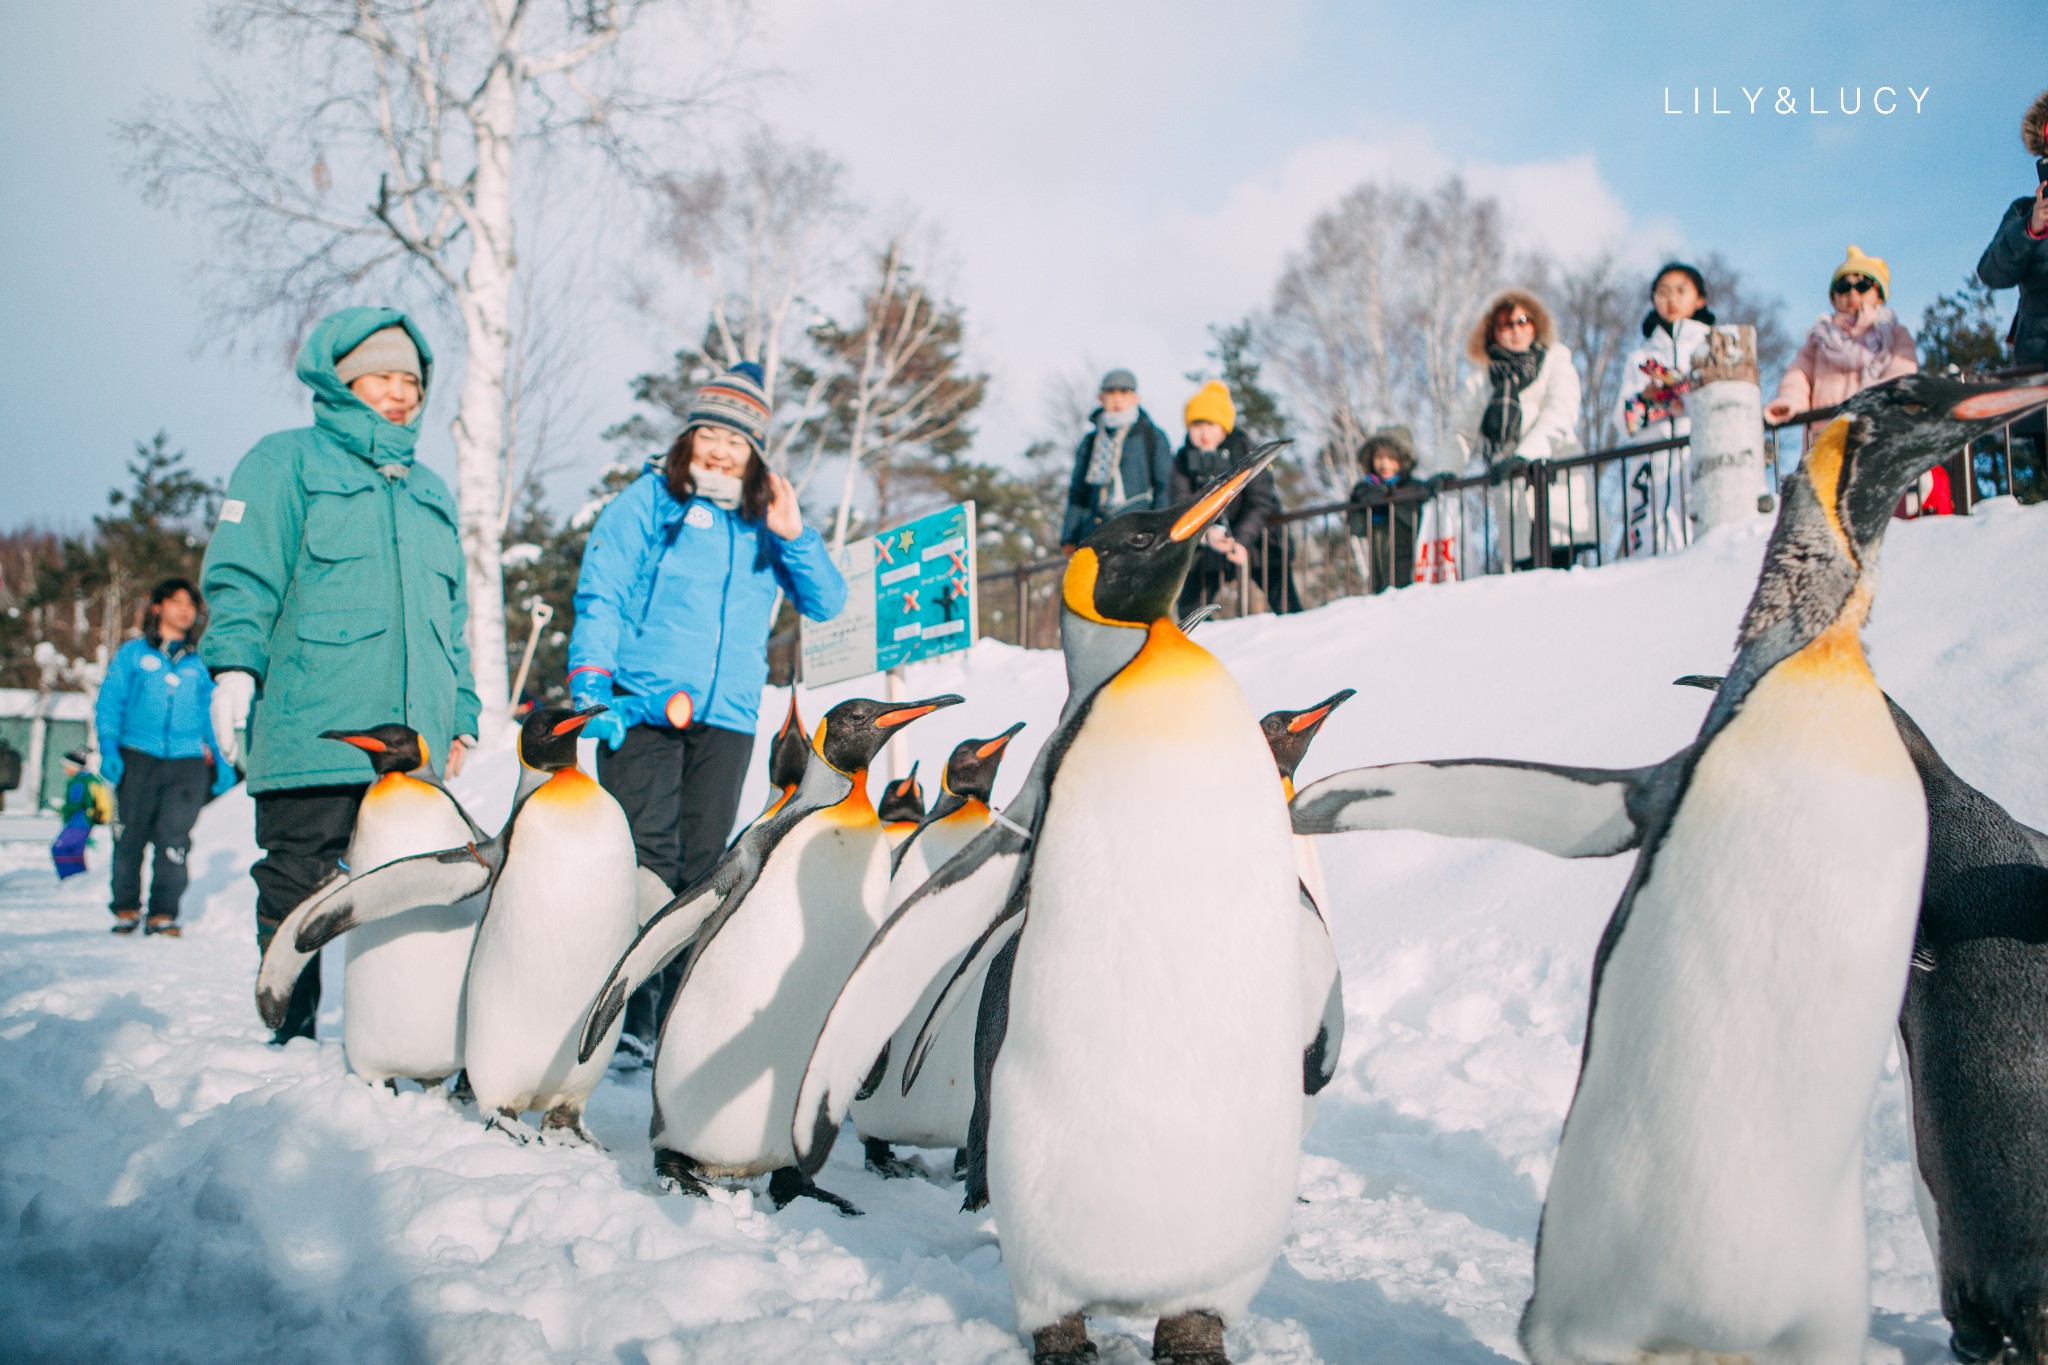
938	1112
901	809
772	933
1144	1115
787	754
401	1013
1707	1194
562	905
1288	735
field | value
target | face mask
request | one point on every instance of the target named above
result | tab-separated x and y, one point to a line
721	490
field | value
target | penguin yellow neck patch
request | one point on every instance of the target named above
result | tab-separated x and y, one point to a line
1824	472
1168	655
855	808
568	784
1077	589
1837	652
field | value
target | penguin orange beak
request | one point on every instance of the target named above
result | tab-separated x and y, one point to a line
996	745
577	721
1308	720
889	720
363	742
1998	403
1221	493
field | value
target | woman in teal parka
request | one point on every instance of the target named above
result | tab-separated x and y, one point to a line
337	595
673	607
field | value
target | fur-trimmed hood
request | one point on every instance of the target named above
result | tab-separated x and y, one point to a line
1482	331
2034	127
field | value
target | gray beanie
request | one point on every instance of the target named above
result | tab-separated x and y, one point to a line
388	350
1119	379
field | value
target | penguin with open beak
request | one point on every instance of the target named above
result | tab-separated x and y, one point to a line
1141	1025
1707	1196
771	933
559	888
940	1110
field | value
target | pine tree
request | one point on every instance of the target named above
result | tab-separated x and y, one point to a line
1962	330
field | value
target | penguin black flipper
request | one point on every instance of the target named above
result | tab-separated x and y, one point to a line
1569	812
1319	1058
283	963
443	878
695	916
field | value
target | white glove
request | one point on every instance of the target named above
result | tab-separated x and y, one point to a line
232	693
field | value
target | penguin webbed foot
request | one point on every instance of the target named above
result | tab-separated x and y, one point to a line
1191	1338
790	1184
563	1124
879	1157
675	1173
1064	1343
512	1126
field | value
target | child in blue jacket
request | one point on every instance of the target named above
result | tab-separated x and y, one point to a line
673	612
156	748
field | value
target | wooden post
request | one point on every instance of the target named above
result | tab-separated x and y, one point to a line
1729	487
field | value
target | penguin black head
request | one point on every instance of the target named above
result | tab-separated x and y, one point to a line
1129	571
1289	733
853	732
547	738
1902	429
1838	503
902	800
971	768
790	749
392	748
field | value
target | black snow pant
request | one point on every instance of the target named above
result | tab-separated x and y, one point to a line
680	790
155	805
1213	578
304	834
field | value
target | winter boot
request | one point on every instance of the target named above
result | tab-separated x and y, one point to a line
1064	1343
127	921
1191	1338
881	1158
790	1184
164	925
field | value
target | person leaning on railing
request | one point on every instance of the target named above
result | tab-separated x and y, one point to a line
1520	403
1860	343
1385	506
1243	538
1643	498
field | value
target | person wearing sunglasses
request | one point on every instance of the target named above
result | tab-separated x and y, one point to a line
1857	345
1519	402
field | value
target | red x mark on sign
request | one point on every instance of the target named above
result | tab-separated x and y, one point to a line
959	561
882	549
959	586
910	601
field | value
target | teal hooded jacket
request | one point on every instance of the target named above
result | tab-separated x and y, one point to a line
335	576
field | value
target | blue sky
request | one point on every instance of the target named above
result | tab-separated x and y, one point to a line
1108	178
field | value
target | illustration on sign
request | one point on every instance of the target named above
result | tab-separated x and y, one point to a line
910	595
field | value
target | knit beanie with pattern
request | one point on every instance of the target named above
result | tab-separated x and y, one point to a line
738	401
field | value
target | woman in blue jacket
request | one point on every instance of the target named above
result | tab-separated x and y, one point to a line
673	609
156	748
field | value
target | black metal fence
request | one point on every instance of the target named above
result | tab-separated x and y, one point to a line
1585	511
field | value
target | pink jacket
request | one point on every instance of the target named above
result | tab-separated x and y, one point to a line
1817	381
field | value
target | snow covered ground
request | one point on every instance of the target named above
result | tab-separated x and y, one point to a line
173	1189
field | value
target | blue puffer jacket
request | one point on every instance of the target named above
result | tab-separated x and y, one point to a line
155	700
674	597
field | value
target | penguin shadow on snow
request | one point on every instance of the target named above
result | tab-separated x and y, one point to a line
1457	1171
143	1226
1353	1322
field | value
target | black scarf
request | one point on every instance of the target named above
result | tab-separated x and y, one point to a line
1508	372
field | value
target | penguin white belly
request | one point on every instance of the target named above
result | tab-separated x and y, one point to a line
733	1047
938	1109
563	912
401	1013
1145	1107
1708	1187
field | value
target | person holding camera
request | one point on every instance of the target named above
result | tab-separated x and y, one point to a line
2018	254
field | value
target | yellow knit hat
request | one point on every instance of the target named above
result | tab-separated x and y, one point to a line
1211	403
1860	264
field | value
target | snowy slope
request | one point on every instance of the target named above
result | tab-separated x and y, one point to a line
177	1190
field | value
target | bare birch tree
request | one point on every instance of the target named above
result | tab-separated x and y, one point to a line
899	382
1599	310
385	147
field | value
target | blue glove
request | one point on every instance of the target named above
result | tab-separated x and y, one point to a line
224	777
111	767
606	726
